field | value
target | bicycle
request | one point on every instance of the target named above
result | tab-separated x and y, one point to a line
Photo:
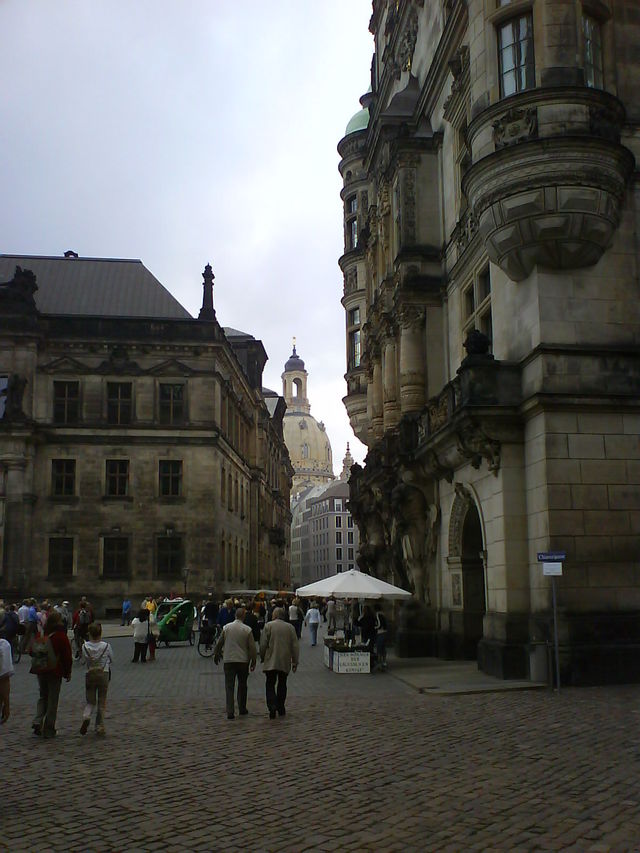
207	638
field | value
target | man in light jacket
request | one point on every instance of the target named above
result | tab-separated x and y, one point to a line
279	651
237	649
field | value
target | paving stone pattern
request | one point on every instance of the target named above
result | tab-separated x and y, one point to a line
360	763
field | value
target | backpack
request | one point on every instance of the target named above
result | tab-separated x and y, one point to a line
83	617
43	656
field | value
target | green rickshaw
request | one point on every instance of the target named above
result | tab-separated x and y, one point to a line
176	626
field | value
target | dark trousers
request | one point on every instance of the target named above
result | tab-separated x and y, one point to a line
140	652
276	697
231	672
47	709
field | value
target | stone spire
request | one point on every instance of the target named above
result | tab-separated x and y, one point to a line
347	462
207	312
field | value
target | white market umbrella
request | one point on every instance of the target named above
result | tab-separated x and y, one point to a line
352	584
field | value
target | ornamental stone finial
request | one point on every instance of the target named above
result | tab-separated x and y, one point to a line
207	312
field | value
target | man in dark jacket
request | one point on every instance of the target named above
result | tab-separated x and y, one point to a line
44	722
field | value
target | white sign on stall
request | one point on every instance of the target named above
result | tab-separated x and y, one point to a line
351	662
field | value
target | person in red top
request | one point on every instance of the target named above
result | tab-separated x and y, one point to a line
44	722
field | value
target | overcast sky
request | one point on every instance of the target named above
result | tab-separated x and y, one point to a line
183	132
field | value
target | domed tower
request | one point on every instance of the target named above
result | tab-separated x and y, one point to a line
306	439
355	198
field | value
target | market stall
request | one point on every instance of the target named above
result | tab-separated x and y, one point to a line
341	655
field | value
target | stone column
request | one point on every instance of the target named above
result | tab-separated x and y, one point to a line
413	366
377	416
391	409
17	524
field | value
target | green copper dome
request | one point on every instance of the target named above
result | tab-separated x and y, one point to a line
360	121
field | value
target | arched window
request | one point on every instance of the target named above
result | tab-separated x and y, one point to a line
297	385
305	451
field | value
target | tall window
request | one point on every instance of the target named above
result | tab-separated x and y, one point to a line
351	206
338	521
517	65
63	477
476	307
119	405
170	478
171	404
338	554
115	557
338	537
592	37
223	487
169	556
353	334
117	479
61	557
66	402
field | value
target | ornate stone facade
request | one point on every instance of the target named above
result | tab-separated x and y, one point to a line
138	451
496	280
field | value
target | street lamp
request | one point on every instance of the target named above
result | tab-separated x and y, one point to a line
185	577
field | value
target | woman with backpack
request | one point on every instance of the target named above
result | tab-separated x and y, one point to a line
97	654
51	662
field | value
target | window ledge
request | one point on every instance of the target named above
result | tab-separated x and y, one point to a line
115	498
64	499
172	499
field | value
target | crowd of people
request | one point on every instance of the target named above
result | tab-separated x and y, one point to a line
271	629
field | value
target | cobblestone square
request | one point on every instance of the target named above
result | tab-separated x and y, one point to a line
360	763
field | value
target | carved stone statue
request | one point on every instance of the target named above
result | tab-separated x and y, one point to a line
13	398
18	294
410	512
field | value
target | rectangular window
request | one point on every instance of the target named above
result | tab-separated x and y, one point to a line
61	557
484	285
117	480
355	353
338	537
352	204
338	521
115	557
337	505
517	65
354	317
338	554
63	477
171	404
169	556
350	537
66	402
4	385
349	521
350	553
170	478
351	567
119	403
593	66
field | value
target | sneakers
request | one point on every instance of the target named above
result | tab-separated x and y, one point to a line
100	731
272	715
37	730
85	726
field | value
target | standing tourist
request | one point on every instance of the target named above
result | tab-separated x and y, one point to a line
279	652
296	616
6	671
97	654
31	625
153	635
126	612
226	614
140	636
313	619
51	662
237	648
331	616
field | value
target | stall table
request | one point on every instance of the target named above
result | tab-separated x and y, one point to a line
338	657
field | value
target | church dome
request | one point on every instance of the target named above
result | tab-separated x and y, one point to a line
309	447
294	362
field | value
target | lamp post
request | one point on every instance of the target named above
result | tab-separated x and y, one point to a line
185	577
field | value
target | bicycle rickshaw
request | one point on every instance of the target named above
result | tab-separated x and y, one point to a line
176	626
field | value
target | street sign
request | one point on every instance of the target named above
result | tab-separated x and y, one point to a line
551	556
552	569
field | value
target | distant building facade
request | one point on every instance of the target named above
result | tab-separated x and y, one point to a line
138	452
324	538
491	201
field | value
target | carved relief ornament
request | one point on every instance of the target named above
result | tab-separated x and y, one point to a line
516	125
412	316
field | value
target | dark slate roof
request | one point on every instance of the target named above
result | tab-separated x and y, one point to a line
236	333
95	287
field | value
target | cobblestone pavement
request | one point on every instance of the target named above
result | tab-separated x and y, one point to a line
360	763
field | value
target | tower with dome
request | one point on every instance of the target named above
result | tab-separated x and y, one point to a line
306	438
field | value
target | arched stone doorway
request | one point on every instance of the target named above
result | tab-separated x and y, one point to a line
466	562
473	595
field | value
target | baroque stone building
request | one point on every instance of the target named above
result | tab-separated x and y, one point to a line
138	451
491	283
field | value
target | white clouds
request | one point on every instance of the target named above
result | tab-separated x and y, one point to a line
188	131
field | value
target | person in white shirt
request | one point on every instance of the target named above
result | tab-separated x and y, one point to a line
313	619
6	671
237	648
97	655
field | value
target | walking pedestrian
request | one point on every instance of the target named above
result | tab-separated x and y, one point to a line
313	619
279	653
296	615
140	636
97	654
6	671
51	662
237	648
